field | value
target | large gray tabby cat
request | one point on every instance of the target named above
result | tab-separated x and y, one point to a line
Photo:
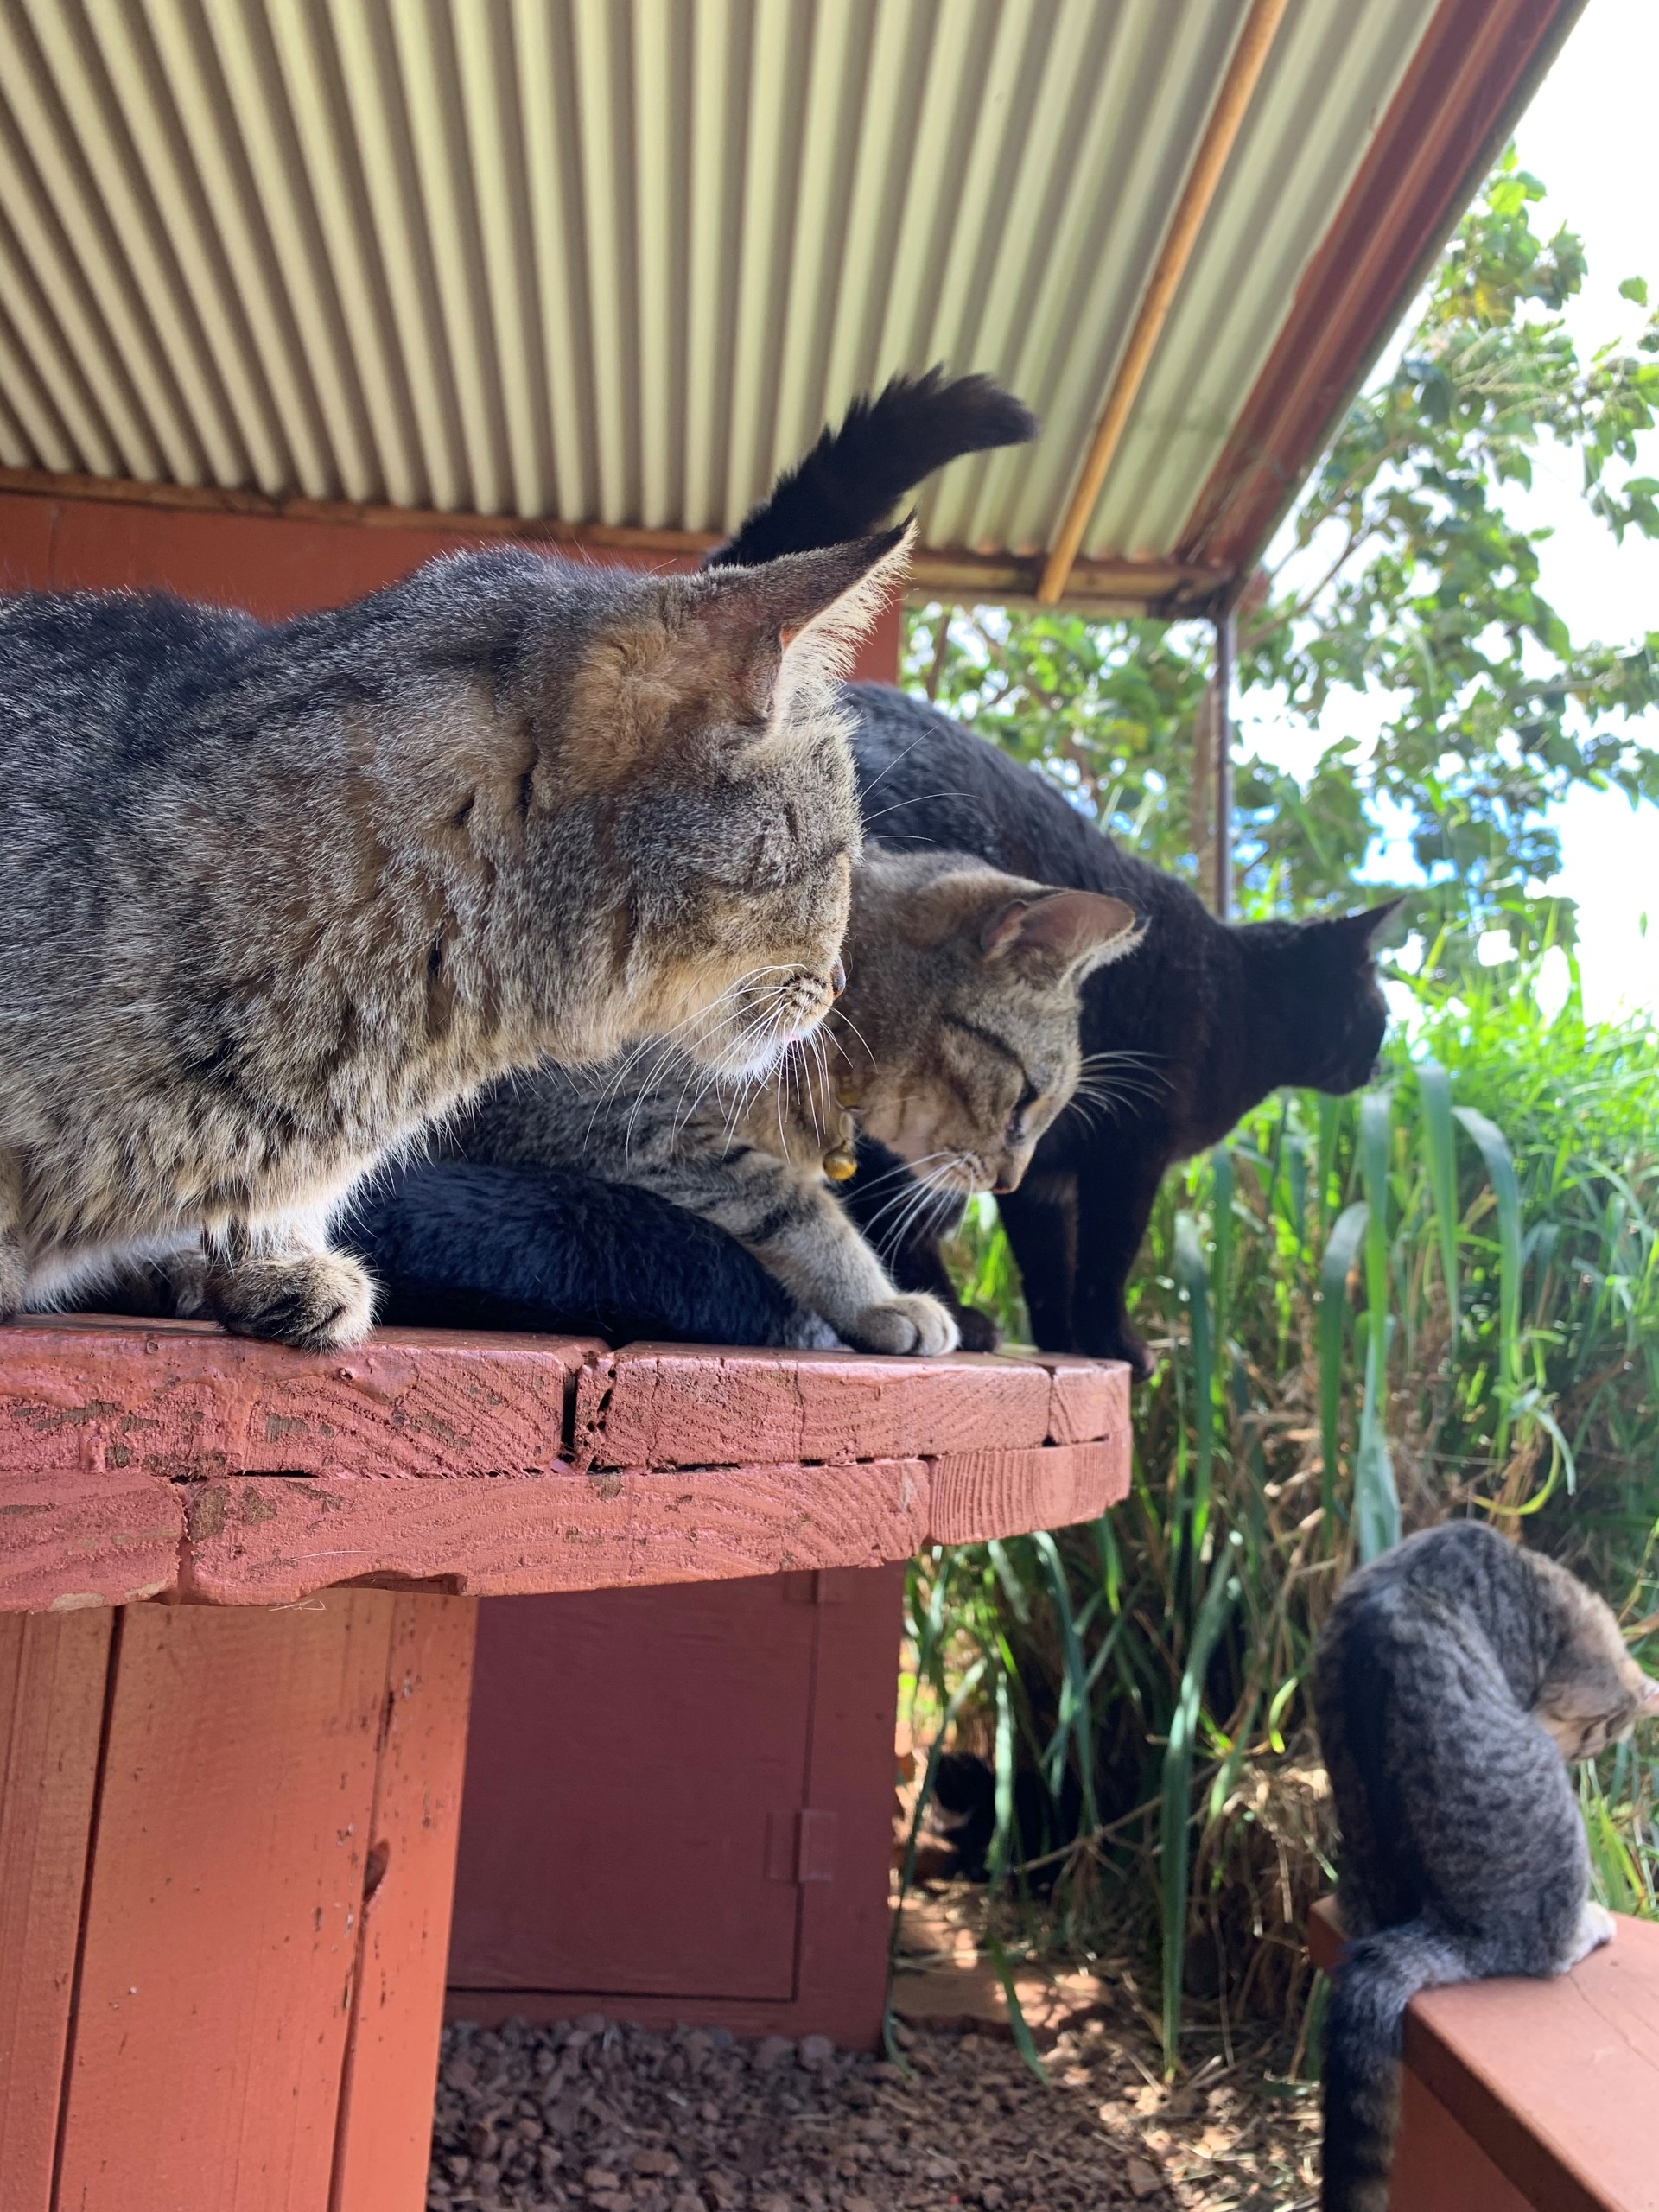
955	1045
277	896
1456	1676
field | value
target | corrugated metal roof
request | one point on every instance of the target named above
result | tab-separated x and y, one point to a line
615	261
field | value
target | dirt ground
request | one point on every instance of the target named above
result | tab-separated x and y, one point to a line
594	2114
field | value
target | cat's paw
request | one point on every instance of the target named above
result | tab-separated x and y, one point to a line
912	1322
976	1331
1596	1926
318	1301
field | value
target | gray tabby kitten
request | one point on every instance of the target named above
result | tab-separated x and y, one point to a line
277	896
955	1045
1456	1677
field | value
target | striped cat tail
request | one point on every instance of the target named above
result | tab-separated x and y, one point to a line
1376	1978
857	475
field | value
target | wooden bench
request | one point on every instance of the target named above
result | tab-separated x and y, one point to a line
1523	2094
238	1614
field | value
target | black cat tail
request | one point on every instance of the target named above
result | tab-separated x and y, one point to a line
1376	1978
856	475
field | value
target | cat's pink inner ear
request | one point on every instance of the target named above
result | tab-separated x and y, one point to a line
1064	929
827	599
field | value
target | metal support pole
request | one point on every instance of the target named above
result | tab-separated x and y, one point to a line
1226	647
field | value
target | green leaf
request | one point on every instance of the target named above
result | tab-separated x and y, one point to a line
1494	1150
1342	1249
1439	1146
1193	1279
1176	1795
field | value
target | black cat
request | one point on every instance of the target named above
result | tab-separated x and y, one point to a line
1205	1021
457	1246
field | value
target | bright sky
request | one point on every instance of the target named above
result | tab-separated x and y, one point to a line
1586	136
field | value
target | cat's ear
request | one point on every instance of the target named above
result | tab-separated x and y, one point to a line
1367	924
1062	934
802	616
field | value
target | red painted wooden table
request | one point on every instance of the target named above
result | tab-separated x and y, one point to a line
237	1629
1541	2095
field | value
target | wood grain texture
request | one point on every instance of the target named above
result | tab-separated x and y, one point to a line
1551	2081
222	1925
1087	1399
180	1399
385	2136
53	1672
681	1406
267	1540
171	1459
974	1495
72	1540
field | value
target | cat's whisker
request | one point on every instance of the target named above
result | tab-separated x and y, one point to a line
918	798
897	761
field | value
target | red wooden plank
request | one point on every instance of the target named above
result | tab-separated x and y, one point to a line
52	1681
26	530
1555	2080
1436	2167
221	1919
274	567
676	1405
72	1540
384	2137
1544	2076
182	1398
980	1493
1088	1398
272	1540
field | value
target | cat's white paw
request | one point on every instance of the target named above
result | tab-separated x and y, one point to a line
318	1301
1596	1926
913	1322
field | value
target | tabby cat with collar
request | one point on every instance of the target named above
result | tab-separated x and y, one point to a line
955	1044
1212	1017
1457	1678
278	895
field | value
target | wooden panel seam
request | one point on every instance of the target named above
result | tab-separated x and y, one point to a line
111	1675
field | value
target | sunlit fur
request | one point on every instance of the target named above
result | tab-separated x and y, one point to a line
956	1042
277	896
1455	1674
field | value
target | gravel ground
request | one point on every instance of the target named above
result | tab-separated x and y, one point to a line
592	2114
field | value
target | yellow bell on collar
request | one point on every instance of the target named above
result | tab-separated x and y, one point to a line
841	1161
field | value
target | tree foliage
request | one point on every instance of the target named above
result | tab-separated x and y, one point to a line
1400	581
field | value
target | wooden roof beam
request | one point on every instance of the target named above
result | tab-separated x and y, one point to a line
1232	102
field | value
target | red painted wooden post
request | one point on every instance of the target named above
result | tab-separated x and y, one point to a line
842	1971
53	1670
220	1936
384	2134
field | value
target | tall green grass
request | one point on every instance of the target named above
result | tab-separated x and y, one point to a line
1439	1297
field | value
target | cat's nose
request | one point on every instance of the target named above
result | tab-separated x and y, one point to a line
837	980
